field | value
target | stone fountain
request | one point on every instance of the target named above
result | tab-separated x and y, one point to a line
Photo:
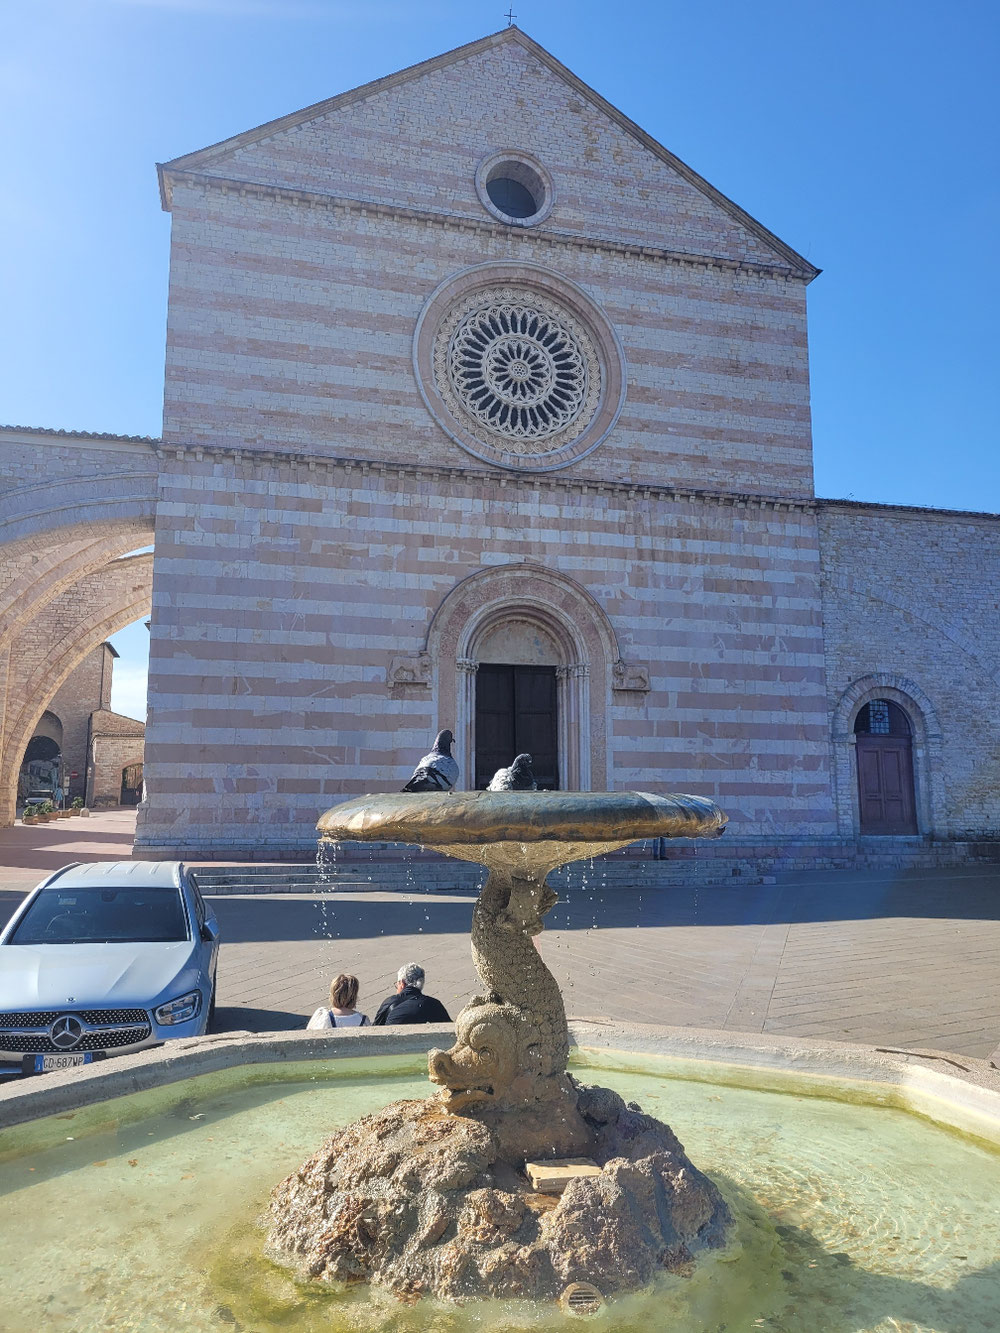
438	1197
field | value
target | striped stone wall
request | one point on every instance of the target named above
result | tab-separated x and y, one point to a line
323	545
415	142
284	591
291	327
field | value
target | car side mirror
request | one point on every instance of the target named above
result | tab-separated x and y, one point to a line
209	932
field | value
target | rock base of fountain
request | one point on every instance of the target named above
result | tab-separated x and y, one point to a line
419	1200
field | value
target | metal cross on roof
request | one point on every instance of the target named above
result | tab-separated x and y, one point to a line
510	17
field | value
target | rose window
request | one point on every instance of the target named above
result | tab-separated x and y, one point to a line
522	373
520	369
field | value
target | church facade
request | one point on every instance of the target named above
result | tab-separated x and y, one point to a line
484	411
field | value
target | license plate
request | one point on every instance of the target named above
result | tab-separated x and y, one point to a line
43	1064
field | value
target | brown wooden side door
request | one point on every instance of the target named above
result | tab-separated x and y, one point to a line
885	785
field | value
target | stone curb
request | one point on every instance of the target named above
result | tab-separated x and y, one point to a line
961	1093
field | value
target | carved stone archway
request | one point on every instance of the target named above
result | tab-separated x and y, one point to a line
569	618
928	780
50	649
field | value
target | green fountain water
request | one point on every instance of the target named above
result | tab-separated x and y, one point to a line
141	1214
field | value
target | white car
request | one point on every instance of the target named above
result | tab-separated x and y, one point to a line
105	958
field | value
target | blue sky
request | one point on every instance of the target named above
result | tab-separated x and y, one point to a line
862	132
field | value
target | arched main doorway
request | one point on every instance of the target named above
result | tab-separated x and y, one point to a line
525	617
517	708
884	750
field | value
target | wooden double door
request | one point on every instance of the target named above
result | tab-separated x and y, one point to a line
885	784
516	714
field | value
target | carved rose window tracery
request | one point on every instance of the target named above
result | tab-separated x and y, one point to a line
519	370
519	366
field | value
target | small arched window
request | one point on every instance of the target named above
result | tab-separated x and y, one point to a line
881	717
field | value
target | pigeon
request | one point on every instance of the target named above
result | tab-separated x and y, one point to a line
518	777
437	771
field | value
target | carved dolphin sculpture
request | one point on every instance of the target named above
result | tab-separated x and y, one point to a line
437	771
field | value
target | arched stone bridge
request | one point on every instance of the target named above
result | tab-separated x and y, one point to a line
72	506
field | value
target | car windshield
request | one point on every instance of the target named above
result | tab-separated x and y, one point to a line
103	915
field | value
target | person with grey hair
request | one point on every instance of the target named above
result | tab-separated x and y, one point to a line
410	1004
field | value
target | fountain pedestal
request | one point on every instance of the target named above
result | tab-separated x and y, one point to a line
432	1196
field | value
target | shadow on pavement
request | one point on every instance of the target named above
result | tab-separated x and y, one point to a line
966	895
240	1017
265	919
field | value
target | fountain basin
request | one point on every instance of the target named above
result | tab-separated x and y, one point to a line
522	832
879	1214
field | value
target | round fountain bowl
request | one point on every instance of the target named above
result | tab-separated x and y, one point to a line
531	830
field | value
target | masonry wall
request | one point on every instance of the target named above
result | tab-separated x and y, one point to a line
110	754
418	144
87	688
911	609
292	328
282	592
31	457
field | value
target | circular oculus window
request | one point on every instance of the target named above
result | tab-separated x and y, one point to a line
524	374
514	188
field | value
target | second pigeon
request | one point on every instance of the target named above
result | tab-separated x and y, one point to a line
518	777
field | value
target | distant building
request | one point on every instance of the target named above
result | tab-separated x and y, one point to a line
81	746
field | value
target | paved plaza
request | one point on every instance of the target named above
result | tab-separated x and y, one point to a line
900	958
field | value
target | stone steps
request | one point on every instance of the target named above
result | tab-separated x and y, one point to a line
446	876
385	868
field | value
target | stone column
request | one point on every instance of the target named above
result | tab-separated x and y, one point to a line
465	720
573	725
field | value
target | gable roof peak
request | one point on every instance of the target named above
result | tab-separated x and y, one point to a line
513	34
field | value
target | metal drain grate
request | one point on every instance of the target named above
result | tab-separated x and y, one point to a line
581	1298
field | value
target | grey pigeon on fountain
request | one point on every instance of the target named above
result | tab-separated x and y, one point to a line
437	771
518	777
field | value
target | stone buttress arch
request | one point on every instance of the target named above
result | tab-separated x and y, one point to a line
60	537
44	510
928	762
588	651
46	653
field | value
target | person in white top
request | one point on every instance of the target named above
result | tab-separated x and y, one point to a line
341	1013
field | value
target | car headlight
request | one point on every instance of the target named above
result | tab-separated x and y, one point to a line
181	1010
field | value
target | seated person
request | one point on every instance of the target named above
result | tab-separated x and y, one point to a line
341	1013
409	1004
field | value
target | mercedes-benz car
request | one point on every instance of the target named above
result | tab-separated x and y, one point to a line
105	958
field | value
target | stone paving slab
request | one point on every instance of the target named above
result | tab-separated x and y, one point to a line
896	958
28	854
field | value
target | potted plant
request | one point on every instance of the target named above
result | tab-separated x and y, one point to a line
44	811
76	806
30	816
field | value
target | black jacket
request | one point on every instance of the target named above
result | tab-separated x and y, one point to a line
410	1006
